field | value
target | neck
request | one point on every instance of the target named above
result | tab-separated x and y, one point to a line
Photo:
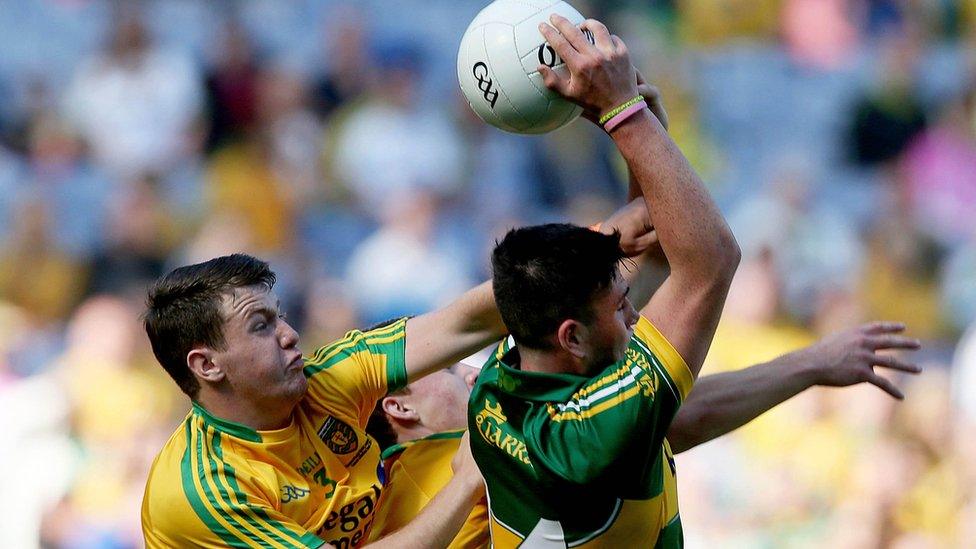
254	417
406	434
548	362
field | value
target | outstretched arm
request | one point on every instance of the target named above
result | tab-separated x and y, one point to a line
698	244
724	402
437	339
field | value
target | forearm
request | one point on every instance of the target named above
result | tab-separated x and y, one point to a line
644	274
692	232
440	338
633	187
439	521
724	402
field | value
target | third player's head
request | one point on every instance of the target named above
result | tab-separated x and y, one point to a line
559	290
217	330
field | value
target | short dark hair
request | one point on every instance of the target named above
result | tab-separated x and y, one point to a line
545	274
183	309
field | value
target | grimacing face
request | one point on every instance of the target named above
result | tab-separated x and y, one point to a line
261	358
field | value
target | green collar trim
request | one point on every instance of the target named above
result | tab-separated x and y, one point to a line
234	429
397	448
534	386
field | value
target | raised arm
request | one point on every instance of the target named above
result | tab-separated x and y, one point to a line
724	402
698	244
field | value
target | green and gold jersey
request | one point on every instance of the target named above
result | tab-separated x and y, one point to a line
220	484
417	470
572	461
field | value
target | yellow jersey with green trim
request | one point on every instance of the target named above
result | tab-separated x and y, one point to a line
574	461
418	469
220	484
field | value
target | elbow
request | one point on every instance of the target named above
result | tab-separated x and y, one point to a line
731	256
690	428
725	258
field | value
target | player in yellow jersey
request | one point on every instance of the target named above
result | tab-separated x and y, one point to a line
419	429
273	452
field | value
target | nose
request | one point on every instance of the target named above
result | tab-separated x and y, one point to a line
288	336
632	314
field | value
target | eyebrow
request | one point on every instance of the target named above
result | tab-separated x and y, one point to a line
266	311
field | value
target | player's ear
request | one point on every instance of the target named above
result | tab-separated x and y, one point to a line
571	336
200	361
399	409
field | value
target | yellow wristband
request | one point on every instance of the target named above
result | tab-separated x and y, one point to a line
617	110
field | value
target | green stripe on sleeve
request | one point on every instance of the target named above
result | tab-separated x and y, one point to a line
334	353
395	353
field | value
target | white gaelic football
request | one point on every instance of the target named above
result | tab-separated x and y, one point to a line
497	64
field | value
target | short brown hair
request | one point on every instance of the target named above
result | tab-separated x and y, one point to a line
183	309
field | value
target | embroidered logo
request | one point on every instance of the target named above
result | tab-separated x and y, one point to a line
291	493
338	436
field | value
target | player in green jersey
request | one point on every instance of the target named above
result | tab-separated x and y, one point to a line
568	428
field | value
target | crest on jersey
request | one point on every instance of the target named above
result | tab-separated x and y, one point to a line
338	436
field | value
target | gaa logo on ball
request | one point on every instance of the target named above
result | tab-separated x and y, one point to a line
497	64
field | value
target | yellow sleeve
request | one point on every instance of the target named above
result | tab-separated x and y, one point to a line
347	377
674	366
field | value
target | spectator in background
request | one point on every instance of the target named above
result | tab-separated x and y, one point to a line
34	272
141	230
819	33
940	172
401	269
814	247
347	72
36	455
136	105
887	118
119	402
242	176
900	268
395	142
232	88
77	193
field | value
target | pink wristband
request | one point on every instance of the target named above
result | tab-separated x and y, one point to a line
624	115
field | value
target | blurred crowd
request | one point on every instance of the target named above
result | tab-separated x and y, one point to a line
329	137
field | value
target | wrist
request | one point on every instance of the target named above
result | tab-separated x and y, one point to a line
633	125
806	369
618	106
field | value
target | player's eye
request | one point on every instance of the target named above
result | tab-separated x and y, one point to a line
283	316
